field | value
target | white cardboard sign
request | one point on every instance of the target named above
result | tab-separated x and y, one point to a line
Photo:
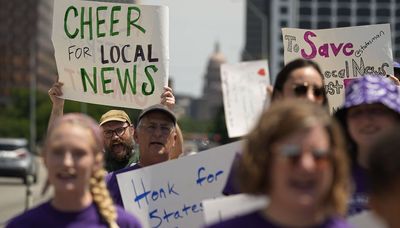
224	208
170	194
244	87
111	53
342	53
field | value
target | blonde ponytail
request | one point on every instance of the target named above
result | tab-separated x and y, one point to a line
101	197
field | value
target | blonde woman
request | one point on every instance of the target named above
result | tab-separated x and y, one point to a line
295	157
73	157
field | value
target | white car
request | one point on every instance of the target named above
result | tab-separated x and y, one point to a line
16	160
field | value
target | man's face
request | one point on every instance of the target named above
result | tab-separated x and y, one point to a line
156	137
118	140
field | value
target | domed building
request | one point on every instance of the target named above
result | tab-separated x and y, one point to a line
206	107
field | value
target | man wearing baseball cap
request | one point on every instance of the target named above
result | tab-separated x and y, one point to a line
156	136
118	129
118	140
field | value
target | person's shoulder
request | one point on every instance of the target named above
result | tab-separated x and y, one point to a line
337	222
30	218
112	176
253	219
127	169
127	220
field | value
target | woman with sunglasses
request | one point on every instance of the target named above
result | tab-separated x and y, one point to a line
73	157
298	79
295	156
371	107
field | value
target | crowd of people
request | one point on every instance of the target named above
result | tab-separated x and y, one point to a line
315	168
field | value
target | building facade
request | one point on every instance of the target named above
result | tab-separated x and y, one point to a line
206	107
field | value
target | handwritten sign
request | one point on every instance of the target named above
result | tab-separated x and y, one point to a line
224	208
244	87
111	54
342	53
366	219
170	194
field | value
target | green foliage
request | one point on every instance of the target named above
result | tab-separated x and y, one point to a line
15	115
219	127
188	124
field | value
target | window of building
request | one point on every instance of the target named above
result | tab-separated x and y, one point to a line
397	54
398	12
344	12
382	20
397	26
397	40
305	24
363	12
284	10
305	11
283	24
324	11
343	24
324	24
383	12
363	23
363	1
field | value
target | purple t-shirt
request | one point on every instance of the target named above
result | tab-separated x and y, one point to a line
359	198
255	219
112	183
45	215
231	185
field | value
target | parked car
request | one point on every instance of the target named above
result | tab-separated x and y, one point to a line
16	160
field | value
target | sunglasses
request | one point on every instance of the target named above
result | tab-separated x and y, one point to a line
300	90
294	153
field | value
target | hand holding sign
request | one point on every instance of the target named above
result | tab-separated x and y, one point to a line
111	54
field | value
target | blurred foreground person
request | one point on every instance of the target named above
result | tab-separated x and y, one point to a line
295	156
384	177
73	157
299	79
371	107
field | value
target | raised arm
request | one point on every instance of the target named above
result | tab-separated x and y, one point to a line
168	100
57	109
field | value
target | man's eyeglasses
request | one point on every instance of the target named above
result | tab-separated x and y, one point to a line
300	90
293	153
118	131
152	128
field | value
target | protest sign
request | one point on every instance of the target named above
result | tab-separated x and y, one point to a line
366	219
342	53
244	87
169	194
223	208
111	54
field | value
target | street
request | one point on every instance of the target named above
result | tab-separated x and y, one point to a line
13	195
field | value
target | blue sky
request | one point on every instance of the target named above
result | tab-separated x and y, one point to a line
195	26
